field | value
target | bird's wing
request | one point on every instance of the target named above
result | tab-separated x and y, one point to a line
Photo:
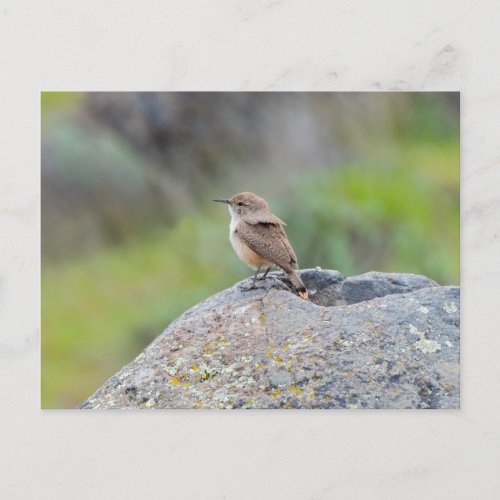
269	241
264	219
293	257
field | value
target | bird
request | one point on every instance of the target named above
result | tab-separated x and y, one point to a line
258	237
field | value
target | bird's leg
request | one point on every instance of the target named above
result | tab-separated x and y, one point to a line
265	274
255	277
263	277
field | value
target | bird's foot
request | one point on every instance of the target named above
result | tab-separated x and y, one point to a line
263	277
248	287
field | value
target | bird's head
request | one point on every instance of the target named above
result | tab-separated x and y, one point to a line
242	204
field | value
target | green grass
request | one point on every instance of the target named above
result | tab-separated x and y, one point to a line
99	312
396	211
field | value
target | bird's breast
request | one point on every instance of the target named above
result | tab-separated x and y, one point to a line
243	251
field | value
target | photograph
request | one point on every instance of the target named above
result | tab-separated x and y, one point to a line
250	250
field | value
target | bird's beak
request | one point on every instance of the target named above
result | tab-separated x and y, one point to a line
222	201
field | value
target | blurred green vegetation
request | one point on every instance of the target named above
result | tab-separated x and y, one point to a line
56	101
101	310
392	207
396	214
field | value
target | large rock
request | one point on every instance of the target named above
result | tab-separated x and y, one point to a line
372	341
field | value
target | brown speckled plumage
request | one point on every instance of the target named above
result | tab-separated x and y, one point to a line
269	241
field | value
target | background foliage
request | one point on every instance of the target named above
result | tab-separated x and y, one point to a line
130	238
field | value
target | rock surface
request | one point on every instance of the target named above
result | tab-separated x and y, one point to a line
376	340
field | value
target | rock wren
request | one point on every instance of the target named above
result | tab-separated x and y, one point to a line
259	240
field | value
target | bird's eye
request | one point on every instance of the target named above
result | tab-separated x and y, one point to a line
240	203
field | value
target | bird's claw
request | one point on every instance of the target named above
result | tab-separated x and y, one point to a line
248	288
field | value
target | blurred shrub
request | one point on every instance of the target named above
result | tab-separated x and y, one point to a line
401	215
117	164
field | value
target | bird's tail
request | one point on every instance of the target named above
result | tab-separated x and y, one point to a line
298	284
